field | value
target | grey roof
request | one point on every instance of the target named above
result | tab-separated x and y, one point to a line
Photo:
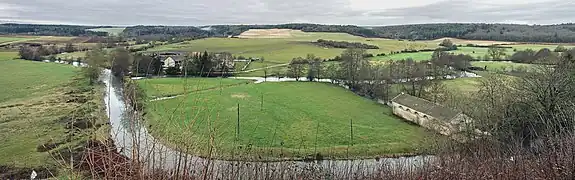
426	107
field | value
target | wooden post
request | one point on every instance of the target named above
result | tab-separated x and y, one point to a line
262	103
351	131
238	126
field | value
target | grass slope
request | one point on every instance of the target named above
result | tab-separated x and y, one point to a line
30	105
297	118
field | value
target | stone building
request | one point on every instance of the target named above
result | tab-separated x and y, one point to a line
430	115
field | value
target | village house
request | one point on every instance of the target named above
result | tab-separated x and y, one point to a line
171	59
175	59
430	115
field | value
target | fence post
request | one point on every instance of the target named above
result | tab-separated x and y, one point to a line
238	125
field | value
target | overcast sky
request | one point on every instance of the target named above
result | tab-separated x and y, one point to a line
357	12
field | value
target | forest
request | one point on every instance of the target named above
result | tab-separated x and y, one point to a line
343	44
562	33
165	33
50	30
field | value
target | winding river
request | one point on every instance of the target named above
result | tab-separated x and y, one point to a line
134	141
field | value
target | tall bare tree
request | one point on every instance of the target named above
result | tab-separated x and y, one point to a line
353	62
296	68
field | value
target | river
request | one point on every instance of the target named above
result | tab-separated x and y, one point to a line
134	141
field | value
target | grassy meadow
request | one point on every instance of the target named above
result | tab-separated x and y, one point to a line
500	65
282	50
9	39
297	119
175	86
30	106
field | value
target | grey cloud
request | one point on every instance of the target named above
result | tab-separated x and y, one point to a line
200	12
470	11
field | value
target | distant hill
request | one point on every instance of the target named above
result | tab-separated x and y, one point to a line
562	33
50	30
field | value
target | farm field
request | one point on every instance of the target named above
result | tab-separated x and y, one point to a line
279	46
8	55
499	65
31	101
475	52
174	86
284	48
297	119
8	39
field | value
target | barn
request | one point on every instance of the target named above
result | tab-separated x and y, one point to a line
429	115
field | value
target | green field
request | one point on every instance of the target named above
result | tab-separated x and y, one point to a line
296	119
30	108
175	86
283	50
8	39
297	44
475	52
110	31
500	65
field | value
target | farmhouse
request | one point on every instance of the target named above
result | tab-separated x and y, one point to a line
427	114
172	61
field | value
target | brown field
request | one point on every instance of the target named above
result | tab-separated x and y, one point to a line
268	33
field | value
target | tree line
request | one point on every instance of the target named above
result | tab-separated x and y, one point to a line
50	30
560	33
375	80
344	44
39	52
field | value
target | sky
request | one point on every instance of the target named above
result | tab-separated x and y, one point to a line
355	12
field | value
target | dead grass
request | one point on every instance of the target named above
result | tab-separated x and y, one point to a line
269	33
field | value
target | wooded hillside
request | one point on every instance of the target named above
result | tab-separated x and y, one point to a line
563	33
50	30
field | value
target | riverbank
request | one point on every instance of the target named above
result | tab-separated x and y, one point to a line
47	113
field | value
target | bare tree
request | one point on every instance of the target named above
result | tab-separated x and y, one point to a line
296	68
353	62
